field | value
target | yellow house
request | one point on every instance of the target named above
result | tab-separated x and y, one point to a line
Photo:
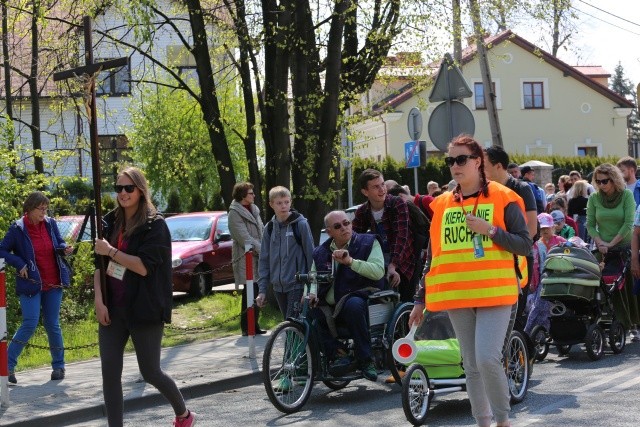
545	107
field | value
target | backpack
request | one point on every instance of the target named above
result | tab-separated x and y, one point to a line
294	228
538	193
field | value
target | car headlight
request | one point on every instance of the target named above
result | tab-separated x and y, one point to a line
176	262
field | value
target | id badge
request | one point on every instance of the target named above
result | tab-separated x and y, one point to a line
478	250
116	270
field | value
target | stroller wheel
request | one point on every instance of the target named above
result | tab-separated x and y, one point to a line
594	342
416	395
617	337
541	342
563	349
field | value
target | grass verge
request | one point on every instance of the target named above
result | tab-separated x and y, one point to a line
214	316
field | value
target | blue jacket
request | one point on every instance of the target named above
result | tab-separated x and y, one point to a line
636	193
17	250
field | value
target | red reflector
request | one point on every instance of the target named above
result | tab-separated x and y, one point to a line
404	350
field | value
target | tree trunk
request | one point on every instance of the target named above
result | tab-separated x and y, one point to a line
457	32
34	94
7	78
209	101
490	96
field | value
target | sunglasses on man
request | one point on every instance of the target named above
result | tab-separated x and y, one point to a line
339	225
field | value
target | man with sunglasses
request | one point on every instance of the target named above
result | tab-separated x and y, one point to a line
388	217
357	265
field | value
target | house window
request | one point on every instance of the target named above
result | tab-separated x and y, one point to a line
114	151
533	95
114	82
479	100
478	93
188	73
591	151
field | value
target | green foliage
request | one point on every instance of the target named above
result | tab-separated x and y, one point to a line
108	203
78	297
173	203
170	140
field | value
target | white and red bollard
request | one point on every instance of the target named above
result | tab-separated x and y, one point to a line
4	360
251	298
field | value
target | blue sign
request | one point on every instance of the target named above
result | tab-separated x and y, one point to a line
412	154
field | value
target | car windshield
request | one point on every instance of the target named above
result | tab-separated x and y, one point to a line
189	228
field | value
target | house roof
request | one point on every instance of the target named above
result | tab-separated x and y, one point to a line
583	74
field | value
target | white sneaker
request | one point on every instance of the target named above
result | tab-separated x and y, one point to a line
633	333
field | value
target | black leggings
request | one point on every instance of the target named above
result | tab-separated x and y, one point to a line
147	342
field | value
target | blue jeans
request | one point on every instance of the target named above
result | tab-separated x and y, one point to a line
48	303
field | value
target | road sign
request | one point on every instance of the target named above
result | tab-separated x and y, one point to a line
448	120
450	84
414	124
412	154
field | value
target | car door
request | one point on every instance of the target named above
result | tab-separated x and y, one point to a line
220	257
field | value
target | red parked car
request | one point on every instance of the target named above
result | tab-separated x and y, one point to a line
200	251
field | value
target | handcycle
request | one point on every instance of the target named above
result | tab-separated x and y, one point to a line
294	358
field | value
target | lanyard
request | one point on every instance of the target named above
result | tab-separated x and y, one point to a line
475	206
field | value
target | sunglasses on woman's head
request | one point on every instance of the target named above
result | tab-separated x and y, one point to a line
603	181
339	225
128	188
461	160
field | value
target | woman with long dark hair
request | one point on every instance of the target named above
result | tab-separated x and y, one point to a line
475	232
137	249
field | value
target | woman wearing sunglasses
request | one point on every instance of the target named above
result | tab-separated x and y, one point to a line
33	246
610	212
137	250
475	232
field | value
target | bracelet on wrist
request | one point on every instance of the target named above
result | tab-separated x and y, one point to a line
109	252
114	254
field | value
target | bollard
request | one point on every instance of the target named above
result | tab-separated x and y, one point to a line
4	360
251	300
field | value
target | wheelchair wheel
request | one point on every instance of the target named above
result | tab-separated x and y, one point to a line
617	337
415	394
288	368
594	342
398	327
541	342
336	385
516	360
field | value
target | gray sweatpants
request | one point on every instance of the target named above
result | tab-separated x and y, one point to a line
481	333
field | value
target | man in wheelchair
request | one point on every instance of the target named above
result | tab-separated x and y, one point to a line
357	266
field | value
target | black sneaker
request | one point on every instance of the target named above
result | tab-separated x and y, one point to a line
12	378
57	374
341	366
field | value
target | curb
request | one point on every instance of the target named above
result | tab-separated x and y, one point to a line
91	413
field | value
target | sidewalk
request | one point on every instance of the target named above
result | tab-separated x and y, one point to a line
199	369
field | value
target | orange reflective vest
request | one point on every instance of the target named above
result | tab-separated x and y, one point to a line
456	278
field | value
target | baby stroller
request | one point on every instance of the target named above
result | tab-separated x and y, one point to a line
436	365
581	297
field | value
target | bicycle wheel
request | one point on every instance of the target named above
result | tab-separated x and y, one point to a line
398	327
517	367
415	394
288	367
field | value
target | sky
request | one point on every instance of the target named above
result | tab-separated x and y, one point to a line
605	37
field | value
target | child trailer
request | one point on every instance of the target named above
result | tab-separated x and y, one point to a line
436	365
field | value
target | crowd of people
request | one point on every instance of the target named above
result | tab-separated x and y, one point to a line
491	213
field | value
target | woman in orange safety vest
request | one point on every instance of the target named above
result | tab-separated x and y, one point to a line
470	273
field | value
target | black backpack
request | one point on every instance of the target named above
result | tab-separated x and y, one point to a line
294	228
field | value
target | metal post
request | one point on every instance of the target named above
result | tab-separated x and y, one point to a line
415	180
251	319
4	359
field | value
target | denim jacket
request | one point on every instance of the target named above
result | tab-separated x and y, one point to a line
17	250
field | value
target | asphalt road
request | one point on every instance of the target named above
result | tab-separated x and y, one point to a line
564	391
